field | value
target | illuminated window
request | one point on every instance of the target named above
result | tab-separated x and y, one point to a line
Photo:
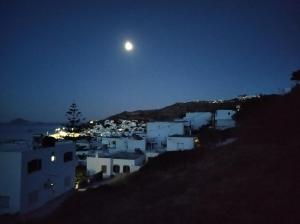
53	157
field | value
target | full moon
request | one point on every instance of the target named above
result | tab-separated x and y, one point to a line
128	46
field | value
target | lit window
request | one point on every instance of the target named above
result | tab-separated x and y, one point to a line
53	157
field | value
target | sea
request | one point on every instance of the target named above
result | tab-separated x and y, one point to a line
24	132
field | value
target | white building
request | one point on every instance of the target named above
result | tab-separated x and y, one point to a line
31	177
114	164
197	119
224	119
179	143
129	144
136	143
114	143
157	132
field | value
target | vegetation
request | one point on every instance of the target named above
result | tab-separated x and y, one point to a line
80	175
74	117
296	76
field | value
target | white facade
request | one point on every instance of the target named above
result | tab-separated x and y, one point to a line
157	132
136	144
224	119
115	143
129	144
32	177
178	143
114	164
197	119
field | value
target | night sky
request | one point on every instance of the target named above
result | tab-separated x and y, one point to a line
53	53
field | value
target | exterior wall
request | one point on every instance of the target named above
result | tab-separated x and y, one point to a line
38	187
124	162
10	172
159	131
94	165
115	144
197	119
180	143
152	154
224	119
59	173
136	144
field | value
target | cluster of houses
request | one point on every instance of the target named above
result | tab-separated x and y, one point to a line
112	154
33	174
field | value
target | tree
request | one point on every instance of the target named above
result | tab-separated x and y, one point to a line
296	76
74	117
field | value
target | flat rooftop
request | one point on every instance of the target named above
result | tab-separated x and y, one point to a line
121	155
15	147
22	146
183	136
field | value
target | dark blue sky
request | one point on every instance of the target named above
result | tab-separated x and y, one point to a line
55	52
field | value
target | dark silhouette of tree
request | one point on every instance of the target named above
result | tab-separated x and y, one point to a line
74	117
296	76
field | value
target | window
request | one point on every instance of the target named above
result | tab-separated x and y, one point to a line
116	169
68	156
53	157
34	165
103	169
126	169
33	197
81	157
112	144
4	201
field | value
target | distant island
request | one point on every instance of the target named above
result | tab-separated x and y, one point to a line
21	121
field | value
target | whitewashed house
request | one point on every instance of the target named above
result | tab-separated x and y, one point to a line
224	119
129	144
136	143
31	177
114	143
180	143
111	164
157	132
197	119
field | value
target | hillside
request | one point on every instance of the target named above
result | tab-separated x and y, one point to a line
253	180
176	110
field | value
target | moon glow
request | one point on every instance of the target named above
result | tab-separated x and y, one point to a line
128	46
